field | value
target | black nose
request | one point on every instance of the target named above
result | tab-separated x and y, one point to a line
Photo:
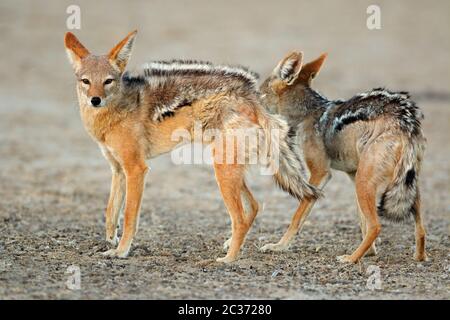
96	101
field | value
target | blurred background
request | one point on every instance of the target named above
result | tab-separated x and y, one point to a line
54	182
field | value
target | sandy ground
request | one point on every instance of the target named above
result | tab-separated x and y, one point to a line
54	182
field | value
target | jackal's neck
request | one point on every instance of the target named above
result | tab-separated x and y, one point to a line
98	121
316	102
319	108
310	105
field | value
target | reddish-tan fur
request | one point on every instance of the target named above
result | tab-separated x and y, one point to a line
127	135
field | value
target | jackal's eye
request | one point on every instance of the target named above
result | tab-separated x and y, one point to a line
108	81
85	81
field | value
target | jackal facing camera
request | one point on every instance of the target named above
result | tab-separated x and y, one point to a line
132	118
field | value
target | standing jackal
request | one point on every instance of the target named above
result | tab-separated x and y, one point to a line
133	117
374	137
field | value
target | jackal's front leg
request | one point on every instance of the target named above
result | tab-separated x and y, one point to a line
116	199
135	179
318	179
115	203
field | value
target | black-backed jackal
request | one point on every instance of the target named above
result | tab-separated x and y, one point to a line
375	137
133	117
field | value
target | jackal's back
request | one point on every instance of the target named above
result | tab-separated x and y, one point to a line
372	105
165	86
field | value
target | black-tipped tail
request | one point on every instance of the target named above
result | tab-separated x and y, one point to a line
397	201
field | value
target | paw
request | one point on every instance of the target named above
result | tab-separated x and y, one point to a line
114	240
226	259
273	247
421	257
111	236
226	244
114	253
345	259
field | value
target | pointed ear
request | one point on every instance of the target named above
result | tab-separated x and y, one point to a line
75	50
289	68
311	69
119	55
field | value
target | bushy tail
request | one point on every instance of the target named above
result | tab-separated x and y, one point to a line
284	154
398	199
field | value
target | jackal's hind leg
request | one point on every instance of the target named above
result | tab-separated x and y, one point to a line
362	224
251	209
366	189
421	254
230	178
